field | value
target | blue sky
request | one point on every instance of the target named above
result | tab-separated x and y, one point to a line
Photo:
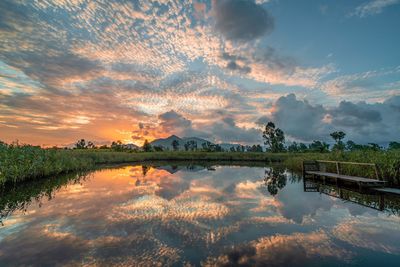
135	70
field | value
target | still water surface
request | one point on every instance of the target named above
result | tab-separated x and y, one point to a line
195	216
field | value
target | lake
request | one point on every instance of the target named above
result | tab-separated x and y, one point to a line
192	215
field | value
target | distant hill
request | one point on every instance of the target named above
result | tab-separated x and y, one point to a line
166	143
131	146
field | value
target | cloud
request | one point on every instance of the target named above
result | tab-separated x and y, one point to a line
65	72
298	118
361	121
373	7
242	20
368	83
223	129
232	65
348	114
298	248
359	231
174	122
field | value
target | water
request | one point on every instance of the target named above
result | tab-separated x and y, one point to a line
195	216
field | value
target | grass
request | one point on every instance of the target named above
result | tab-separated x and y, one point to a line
20	163
388	163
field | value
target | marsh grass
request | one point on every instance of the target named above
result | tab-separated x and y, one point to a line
19	163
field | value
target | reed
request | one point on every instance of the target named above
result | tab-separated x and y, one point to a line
25	162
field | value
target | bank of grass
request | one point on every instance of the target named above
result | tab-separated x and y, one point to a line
20	163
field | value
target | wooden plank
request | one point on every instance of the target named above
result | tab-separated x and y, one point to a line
345	177
388	190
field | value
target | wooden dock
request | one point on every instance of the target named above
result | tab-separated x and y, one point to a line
355	179
388	190
318	168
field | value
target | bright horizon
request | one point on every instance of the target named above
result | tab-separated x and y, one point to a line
218	70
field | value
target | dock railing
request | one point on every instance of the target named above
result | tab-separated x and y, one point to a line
320	165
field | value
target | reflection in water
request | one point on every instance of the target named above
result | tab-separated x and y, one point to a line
194	214
19	197
275	179
367	198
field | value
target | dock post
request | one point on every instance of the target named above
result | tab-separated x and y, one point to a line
376	172
337	167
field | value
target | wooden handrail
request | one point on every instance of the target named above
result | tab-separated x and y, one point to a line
347	162
353	163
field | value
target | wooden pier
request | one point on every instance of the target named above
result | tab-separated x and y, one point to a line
318	168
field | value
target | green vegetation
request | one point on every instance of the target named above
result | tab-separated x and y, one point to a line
388	162
18	163
23	162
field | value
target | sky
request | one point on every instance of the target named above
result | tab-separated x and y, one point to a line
220	70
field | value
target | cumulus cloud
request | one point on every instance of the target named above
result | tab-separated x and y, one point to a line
174	122
298	118
223	129
242	20
363	122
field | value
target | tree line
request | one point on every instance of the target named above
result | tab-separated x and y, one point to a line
274	139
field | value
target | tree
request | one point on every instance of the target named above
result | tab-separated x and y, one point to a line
175	145
81	144
303	148
394	145
274	138
90	144
190	145
146	146
318	146
218	148
338	137
374	147
351	146
158	148
293	147
117	146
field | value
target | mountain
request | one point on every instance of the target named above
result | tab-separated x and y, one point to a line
198	141
166	143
